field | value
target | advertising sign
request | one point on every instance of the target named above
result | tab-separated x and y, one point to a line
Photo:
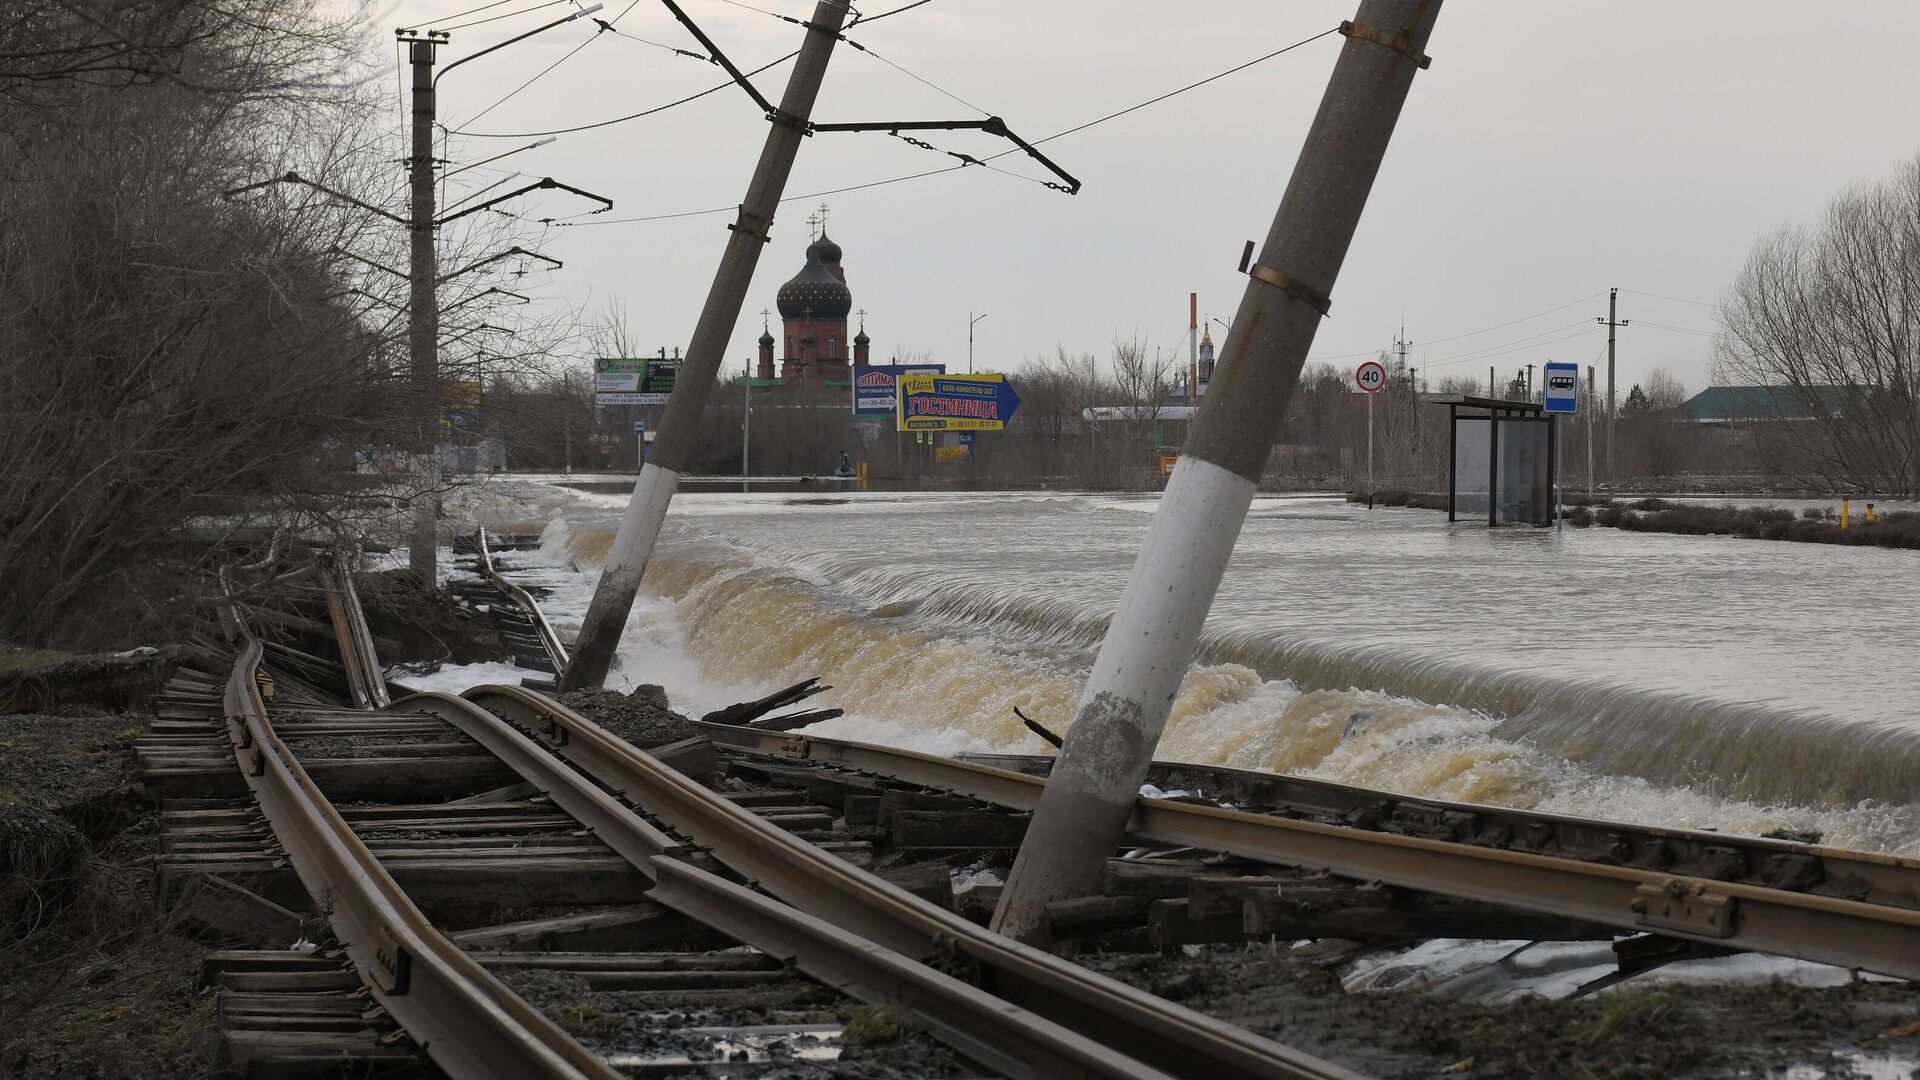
875	388
620	380
956	402
1562	388
952	453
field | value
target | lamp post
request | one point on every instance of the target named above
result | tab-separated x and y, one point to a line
971	319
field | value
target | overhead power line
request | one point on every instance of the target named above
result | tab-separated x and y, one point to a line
497	18
1675	299
910	176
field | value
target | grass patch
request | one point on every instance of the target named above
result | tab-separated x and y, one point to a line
23	661
875	1024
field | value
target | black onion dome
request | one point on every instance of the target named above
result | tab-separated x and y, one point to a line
806	337
861	338
814	290
828	251
766	337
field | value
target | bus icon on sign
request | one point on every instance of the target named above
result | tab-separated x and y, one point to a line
1562	388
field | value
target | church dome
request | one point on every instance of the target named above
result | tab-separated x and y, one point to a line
815	292
861	338
766	337
827	250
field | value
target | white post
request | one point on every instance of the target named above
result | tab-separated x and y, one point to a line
1369	451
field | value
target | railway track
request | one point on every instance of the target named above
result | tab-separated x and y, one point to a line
1721	893
397	836
448	849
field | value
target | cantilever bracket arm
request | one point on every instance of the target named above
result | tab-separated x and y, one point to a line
992	125
483	293
344	253
718	57
545	182
507	254
295	178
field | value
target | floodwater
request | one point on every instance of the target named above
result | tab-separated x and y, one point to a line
1685	681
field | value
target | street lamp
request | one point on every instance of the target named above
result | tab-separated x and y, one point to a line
971	319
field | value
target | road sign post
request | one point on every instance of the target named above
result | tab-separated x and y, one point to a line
1371	377
1562	396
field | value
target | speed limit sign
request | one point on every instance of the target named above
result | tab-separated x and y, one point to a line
1372	377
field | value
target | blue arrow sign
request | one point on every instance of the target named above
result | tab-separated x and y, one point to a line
956	402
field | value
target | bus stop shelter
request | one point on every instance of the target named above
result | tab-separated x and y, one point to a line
1500	461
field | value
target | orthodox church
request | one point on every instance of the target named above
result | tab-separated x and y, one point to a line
814	305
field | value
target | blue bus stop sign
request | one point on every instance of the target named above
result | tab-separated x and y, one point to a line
1562	388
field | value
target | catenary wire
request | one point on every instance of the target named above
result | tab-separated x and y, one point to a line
876	18
497	18
632	116
911	176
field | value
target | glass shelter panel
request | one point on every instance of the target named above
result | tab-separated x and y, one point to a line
1471	466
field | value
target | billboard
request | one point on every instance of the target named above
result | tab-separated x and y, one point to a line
956	402
621	380
875	387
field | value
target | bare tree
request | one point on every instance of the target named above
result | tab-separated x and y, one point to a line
1829	314
177	368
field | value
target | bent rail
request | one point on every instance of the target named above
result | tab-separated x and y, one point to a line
1130	1022
468	1021
1828	929
556	649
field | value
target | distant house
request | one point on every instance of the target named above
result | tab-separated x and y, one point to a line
1738	404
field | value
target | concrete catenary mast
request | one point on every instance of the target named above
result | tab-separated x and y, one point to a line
1150	642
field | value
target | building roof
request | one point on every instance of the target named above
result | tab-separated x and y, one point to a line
1721	404
819	290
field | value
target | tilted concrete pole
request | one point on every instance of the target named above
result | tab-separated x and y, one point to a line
1083	815
640	528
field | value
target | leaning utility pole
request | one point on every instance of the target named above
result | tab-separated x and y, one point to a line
640	528
1091	792
1612	322
423	322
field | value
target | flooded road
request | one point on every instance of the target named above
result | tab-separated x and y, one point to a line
1703	681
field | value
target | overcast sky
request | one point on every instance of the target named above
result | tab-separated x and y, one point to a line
1553	150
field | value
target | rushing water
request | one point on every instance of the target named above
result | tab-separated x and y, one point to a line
1692	681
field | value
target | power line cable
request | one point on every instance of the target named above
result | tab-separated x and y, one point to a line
1675	329
876	18
623	119
1471	333
1675	299
497	18
911	176
1528	342
543	71
474	11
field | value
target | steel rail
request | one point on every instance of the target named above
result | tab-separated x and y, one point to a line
466	1019
366	685
1826	929
1015	1041
1130	1022
1855	875
556	650
1009	1040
